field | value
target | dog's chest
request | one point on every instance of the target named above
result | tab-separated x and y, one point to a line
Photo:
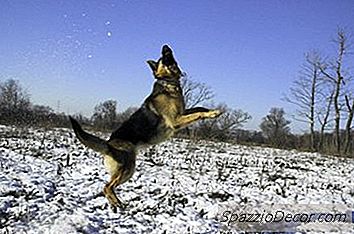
169	107
165	130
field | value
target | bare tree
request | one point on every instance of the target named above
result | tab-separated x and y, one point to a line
305	91
324	111
105	115
275	127
335	74
14	103
225	126
195	93
12	96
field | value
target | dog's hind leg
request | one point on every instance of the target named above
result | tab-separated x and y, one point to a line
108	190
120	164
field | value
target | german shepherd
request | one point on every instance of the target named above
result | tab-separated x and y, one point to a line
161	115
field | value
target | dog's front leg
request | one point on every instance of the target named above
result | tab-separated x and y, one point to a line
194	114
195	110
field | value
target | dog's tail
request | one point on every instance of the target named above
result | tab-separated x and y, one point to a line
91	141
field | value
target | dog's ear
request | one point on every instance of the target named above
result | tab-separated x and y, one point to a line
152	64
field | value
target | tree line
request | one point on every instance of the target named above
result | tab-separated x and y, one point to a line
324	98
17	109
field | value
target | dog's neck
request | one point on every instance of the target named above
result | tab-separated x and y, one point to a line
167	82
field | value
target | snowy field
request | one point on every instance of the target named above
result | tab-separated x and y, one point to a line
49	183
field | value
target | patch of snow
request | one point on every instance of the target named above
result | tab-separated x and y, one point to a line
50	183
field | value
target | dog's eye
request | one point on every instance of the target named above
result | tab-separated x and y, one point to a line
175	69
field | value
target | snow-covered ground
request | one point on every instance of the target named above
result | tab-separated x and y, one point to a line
49	183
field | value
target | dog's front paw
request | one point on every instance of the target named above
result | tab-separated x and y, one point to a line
213	113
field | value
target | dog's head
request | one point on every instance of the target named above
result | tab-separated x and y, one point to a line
166	67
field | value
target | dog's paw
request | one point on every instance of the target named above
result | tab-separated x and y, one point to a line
213	113
119	205
114	209
123	205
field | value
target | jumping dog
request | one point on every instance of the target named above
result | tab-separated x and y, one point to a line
161	115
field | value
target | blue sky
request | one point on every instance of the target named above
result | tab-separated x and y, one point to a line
81	53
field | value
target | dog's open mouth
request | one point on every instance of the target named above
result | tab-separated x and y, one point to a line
167	56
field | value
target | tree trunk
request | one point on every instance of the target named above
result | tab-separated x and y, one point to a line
348	124
339	80
312	108
337	116
325	120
